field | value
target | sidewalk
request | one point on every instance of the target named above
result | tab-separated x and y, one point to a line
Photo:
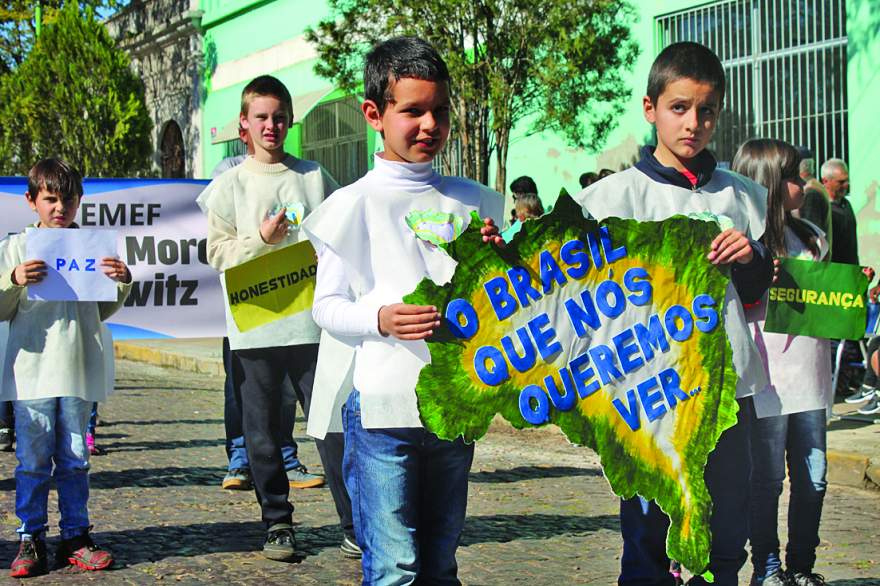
853	442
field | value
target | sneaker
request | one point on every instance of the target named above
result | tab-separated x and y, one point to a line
774	578
90	443
82	552
6	438
237	479
299	477
806	579
350	548
31	559
280	543
863	394
872	408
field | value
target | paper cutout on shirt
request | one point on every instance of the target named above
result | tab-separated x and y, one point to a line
630	359
293	211
435	227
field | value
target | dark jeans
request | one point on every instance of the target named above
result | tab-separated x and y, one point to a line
409	490
643	525
799	440
258	375
236	450
871	378
7	421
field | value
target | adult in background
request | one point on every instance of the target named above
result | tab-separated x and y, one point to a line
844	248
817	205
835	179
518	187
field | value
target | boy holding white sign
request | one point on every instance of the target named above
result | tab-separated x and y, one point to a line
678	176
408	487
254	209
54	371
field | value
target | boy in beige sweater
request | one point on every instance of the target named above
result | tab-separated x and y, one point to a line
254	209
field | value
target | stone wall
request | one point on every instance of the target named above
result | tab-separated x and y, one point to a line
165	44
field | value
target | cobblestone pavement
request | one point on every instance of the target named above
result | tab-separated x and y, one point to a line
540	511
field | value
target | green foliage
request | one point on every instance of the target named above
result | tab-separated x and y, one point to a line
558	64
75	96
18	27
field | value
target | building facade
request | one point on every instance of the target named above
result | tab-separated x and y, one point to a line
799	70
165	44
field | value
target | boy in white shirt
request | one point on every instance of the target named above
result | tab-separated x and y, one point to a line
54	371
408	487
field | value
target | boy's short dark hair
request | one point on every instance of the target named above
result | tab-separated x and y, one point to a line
685	60
397	58
55	176
266	85
587	179
524	184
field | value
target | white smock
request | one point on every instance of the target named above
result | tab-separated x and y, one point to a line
382	260
798	367
632	194
54	348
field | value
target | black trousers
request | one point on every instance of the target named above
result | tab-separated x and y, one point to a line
258	376
7	421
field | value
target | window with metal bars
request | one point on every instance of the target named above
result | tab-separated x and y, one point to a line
786	70
335	135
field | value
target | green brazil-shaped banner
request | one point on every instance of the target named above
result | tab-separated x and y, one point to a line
612	331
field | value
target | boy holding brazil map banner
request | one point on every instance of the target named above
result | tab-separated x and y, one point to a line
685	92
253	210
377	239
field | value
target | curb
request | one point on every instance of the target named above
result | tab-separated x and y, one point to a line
852	469
844	468
124	351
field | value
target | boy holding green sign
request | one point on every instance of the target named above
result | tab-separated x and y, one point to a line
684	97
254	209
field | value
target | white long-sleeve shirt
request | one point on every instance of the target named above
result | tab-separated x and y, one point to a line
370	257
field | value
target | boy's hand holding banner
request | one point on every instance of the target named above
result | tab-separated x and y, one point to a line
272	286
818	299
613	332
73	263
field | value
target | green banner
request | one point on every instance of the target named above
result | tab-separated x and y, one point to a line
272	286
818	299
611	331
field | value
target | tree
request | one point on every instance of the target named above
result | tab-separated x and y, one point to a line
557	64
75	96
18	26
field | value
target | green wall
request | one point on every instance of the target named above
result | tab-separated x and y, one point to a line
863	83
237	29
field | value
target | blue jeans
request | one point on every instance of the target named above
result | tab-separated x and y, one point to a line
799	439
93	419
47	431
409	497
643	525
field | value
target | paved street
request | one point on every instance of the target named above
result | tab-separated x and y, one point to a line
540	511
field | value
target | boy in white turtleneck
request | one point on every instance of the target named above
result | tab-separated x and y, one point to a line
251	212
408	488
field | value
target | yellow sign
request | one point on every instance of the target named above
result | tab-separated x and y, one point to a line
273	286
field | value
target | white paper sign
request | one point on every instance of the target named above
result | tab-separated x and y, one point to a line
73	263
